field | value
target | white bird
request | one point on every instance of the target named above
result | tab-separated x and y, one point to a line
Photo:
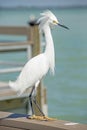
36	68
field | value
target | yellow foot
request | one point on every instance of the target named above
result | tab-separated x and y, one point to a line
48	118
42	118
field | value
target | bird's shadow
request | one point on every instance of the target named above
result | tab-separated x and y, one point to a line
14	115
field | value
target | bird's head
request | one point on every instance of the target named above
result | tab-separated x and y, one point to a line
49	18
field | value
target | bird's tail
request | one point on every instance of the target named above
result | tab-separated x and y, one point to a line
15	87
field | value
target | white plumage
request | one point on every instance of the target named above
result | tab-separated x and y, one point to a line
32	72
37	67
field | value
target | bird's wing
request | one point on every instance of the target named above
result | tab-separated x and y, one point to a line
33	71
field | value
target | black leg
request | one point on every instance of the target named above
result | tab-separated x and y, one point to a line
31	100
35	101
31	104
32	91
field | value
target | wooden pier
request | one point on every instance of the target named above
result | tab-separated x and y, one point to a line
9	99
11	121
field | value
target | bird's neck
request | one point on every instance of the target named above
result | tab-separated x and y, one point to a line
49	51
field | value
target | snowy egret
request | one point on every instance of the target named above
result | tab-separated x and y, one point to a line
36	68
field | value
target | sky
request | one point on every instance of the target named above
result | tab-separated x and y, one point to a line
41	3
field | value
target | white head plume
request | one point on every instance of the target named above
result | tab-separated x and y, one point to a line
47	17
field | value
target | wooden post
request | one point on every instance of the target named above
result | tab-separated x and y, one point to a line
35	38
36	49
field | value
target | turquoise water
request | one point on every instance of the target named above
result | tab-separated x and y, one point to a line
67	90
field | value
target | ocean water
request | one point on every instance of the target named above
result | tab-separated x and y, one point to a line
67	90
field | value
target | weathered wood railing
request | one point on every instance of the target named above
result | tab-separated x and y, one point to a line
11	121
32	46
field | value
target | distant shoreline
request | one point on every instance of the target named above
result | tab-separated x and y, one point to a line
44	7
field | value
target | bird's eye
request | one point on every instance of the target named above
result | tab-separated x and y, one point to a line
54	22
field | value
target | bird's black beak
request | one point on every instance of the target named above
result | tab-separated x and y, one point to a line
63	26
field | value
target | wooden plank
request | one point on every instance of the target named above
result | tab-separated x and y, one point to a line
7	94
15	43
10	100
3	84
10	70
8	128
12	104
11	63
14	30
13	48
24	123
